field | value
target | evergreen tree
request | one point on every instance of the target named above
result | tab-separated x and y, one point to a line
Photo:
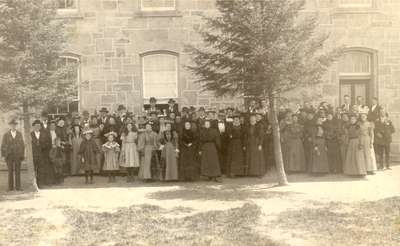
31	76
261	48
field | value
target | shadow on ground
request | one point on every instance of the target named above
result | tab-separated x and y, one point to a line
219	193
139	225
364	223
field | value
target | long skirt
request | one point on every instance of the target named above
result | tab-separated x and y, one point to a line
343	152
43	169
334	156
189	163
75	161
293	155
170	161
369	154
319	159
355	161
255	160
129	156
268	149
235	158
149	168
210	166
99	156
308	151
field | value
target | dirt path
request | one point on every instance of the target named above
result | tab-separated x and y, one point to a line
311	211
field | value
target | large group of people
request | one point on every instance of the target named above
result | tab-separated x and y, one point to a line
167	144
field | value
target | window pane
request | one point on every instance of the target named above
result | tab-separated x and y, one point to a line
355	62
66	4
160	76
158	4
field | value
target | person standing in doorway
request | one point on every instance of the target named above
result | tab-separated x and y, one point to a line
13	151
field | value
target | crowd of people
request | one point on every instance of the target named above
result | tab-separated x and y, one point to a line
168	144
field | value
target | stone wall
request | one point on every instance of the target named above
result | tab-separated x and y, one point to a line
110	36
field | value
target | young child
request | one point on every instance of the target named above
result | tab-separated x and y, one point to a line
88	154
111	150
57	157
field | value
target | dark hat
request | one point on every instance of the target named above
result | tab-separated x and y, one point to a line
85	112
152	99
13	122
202	109
105	110
236	115
121	107
185	109
53	122
171	101
35	122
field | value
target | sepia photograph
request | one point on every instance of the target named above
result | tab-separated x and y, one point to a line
200	122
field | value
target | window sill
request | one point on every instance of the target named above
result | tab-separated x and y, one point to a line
158	13
69	13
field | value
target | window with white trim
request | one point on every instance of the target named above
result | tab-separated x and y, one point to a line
67	4
73	104
157	5
160	75
355	3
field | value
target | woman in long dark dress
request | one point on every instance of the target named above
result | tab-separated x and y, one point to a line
294	157
209	144
319	157
235	152
254	152
188	156
169	154
332	144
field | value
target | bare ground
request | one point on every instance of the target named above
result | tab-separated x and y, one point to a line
329	210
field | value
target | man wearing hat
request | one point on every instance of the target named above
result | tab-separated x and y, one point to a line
13	151
153	106
172	107
41	146
85	118
103	119
45	120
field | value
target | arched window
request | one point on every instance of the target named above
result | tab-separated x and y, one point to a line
71	105
356	73
160	75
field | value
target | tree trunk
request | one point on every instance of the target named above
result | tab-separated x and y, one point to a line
32	185
282	179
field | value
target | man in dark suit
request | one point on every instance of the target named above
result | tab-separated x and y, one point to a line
374	110
383	138
41	146
13	151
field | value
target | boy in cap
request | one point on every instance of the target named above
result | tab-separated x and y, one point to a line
88	152
13	151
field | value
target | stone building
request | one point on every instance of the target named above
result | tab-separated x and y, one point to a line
129	50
